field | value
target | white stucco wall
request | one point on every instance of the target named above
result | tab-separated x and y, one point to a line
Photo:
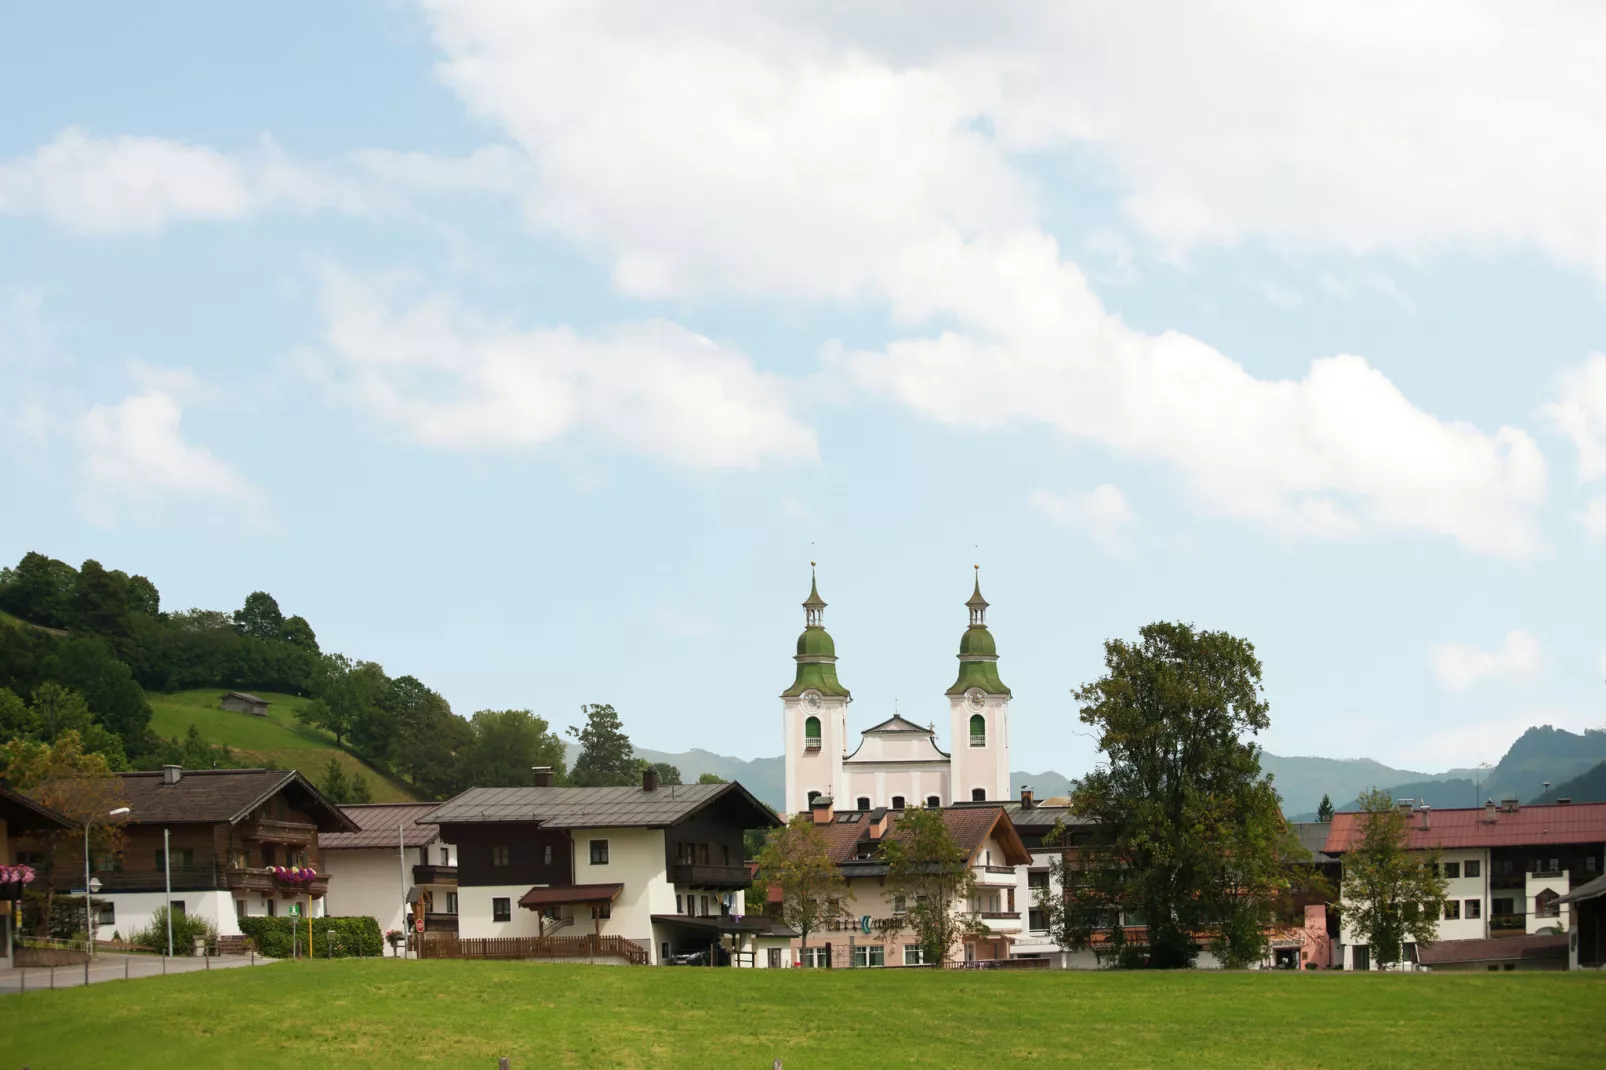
369	882
136	910
814	770
636	859
984	767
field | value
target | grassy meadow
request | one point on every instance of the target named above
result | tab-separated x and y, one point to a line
277	736
388	1013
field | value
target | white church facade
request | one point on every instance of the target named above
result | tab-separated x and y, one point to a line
896	763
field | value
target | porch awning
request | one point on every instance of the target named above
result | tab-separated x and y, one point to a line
567	894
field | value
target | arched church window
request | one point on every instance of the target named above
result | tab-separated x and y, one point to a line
978	794
812	796
897	802
864	802
811	733
934	802
978	730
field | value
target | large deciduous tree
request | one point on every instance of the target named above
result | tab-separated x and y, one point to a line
90	666
346	698
39	590
1187	834
606	757
1391	895
260	617
933	873
796	860
507	745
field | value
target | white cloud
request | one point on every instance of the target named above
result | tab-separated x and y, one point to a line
830	154
135	457
1463	745
1579	412
449	378
143	184
1594	517
1462	666
1103	512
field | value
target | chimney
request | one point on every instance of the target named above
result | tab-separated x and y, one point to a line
880	822
821	810
1489	812
544	777
649	779
1026	798
1424	813
1509	804
1405	805
1564	802
172	774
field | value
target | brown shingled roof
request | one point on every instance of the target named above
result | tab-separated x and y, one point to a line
22	814
969	826
210	796
1499	949
1470	827
383	825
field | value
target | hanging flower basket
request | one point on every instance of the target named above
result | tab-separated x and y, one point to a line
12	878
299	876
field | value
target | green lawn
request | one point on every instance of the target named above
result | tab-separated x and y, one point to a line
278	736
388	1014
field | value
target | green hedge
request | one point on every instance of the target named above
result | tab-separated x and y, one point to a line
352	936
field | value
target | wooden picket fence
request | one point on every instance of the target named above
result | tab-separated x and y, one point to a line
448	946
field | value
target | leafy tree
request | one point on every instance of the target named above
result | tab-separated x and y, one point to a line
143	597
420	718
56	710
711	778
797	859
260	617
346	694
39	590
201	620
1391	895
90	666
193	752
77	785
17	721
342	788
1324	810
606	756
667	774
297	632
926	865
507	745
100	600
1190	837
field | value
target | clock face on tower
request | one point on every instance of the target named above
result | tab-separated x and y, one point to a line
811	699
975	699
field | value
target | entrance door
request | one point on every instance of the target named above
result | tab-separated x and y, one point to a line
1363	957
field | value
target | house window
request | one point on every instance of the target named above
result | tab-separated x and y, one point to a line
978	794
546	855
1544	905
267	856
775	958
1037	920
185	856
934	802
1474	908
978	730
239	908
811	733
501	909
1037	878
1472	868
864	802
812	796
273	908
451	902
446	856
680	904
1452	909
106	914
602	910
705	905
599	852
725	853
1452	871
702	854
814	958
1589	864
874	955
499	855
897	802
900	904
914	955
1504	906
178	908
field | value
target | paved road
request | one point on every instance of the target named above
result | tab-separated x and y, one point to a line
112	967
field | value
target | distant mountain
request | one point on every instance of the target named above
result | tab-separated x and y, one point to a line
1589	787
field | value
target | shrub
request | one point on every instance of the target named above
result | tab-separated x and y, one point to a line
185	929
352	936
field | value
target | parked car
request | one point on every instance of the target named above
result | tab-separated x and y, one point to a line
689	958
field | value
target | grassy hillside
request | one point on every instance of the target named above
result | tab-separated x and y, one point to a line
278	736
387	1013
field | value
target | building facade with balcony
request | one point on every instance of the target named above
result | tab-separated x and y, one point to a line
395	869
238	843
897	763
1507	867
874	927
659	866
20	817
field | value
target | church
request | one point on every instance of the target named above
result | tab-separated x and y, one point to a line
897	763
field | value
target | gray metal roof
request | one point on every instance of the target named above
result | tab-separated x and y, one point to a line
570	808
1313	837
1593	890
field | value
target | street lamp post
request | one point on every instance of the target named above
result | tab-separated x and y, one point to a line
91	886
167	876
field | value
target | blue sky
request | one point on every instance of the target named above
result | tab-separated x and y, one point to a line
535	350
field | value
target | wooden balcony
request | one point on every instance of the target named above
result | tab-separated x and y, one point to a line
438	875
261	879
703	875
289	832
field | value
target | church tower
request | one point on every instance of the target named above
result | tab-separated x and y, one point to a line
814	713
978	706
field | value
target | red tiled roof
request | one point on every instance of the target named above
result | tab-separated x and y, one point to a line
1499	949
969	827
381	827
1470	827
